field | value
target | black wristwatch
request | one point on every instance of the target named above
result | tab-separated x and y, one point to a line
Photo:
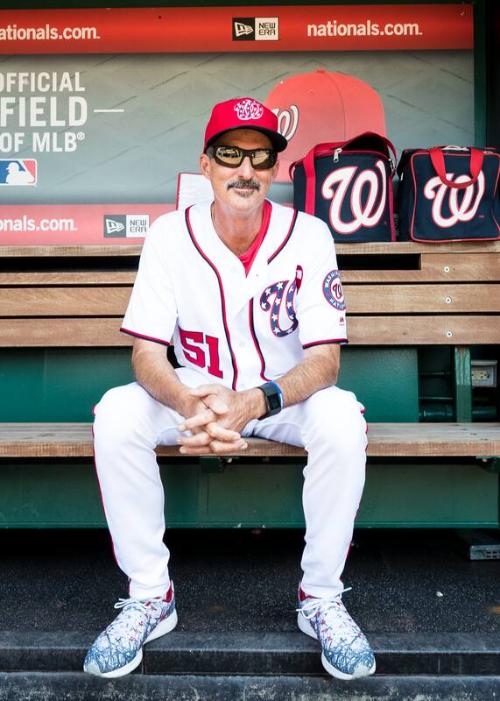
274	399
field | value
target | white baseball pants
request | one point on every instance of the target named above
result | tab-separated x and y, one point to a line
129	424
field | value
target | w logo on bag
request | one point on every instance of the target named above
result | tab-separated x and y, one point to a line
450	205
358	197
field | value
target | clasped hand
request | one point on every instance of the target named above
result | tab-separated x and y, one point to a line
215	417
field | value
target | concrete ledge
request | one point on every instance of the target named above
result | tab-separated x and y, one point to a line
80	687
257	654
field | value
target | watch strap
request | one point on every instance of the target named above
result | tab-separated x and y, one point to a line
274	398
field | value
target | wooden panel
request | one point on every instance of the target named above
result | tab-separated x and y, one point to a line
423	330
63	301
434	440
384	440
63	333
477	266
69	277
69	251
390	248
401	247
440	267
362	330
361	299
401	299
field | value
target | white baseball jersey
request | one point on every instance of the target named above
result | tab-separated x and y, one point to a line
239	330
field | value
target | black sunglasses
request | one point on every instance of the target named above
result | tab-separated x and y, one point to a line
232	156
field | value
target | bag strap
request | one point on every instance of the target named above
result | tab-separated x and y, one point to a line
323	149
310	177
370	138
476	164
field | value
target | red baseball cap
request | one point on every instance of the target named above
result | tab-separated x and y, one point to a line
322	106
243	113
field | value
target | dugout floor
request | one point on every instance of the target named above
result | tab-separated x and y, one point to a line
244	582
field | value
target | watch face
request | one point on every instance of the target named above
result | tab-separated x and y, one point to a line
273	398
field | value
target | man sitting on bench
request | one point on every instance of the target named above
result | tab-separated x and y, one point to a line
251	295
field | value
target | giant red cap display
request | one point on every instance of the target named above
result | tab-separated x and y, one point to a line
323	106
243	113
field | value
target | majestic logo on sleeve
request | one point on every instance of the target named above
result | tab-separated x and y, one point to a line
282	316
332	289
358	197
461	205
249	109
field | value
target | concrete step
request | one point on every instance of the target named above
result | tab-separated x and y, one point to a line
258	654
71	686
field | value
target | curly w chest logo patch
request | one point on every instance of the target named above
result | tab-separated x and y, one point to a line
279	300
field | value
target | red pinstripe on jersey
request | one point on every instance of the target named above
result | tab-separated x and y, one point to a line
222	297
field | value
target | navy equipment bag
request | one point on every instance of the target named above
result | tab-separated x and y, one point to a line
348	184
449	193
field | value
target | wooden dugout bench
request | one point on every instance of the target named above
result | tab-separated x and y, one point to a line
420	318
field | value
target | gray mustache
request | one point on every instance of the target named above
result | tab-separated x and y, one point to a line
244	185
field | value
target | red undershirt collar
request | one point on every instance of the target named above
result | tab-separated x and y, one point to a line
249	256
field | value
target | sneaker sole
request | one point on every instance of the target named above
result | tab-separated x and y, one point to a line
307	628
164	627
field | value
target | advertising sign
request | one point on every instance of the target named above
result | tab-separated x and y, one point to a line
102	109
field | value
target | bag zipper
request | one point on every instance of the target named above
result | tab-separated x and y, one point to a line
336	155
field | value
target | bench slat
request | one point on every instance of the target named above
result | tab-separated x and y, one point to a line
403	247
82	251
423	330
68	277
63	301
361	299
363	330
434	267
384	440
440	267
376	248
401	299
62	333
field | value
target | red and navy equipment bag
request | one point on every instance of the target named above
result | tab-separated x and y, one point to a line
449	193
348	184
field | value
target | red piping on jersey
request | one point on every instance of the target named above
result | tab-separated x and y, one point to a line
287	237
146	338
222	298
256	342
325	341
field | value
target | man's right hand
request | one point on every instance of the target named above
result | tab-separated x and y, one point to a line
207	434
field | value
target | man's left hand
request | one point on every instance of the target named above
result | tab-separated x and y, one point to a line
233	409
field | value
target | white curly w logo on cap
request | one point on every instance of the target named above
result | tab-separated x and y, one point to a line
249	109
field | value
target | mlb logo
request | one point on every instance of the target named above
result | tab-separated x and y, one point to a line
18	171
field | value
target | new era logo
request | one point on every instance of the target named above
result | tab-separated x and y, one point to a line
255	29
112	227
243	28
126	225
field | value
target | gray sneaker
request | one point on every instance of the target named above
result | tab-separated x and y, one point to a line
345	652
118	649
